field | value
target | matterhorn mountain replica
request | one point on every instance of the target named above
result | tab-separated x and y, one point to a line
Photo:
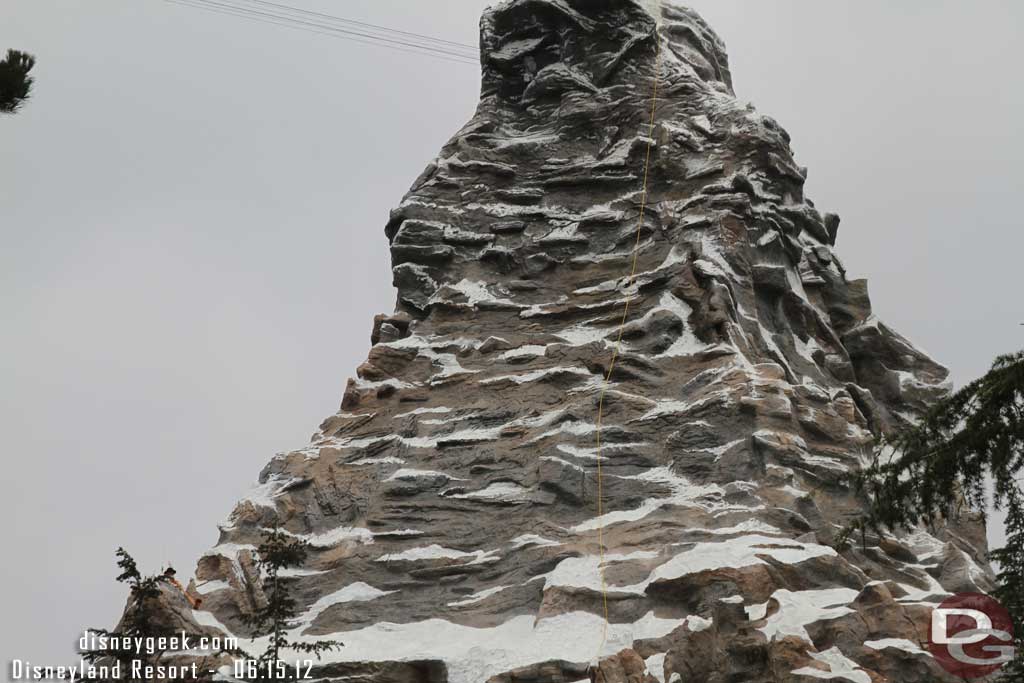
521	488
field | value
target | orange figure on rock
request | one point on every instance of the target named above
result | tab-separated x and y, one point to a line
168	576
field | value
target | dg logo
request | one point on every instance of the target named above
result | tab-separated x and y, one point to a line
971	635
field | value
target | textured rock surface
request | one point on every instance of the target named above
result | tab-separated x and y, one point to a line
452	500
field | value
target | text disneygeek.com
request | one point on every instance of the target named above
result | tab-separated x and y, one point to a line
111	657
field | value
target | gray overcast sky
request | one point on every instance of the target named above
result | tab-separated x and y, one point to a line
191	238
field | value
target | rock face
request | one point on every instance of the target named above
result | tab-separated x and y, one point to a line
453	500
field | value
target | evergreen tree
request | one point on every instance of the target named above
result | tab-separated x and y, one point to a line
140	620
935	470
1010	592
15	83
279	551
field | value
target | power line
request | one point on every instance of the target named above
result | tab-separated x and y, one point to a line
259	14
472	48
226	7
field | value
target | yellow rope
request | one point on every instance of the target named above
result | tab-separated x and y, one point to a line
618	341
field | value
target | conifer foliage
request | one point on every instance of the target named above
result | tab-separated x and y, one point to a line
278	550
141	620
1010	591
15	82
968	444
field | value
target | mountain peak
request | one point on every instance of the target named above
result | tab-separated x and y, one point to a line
615	408
530	47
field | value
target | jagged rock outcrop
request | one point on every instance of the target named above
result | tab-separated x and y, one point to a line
452	502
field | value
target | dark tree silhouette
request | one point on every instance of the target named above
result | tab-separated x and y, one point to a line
15	82
279	551
141	620
1010	592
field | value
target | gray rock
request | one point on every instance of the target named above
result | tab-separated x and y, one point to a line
455	502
